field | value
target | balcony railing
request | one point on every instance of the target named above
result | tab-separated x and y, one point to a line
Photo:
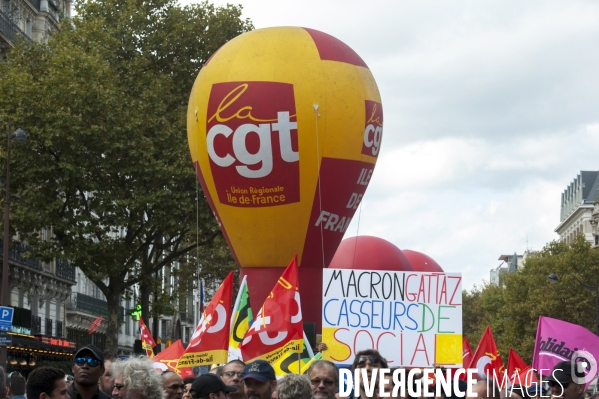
87	304
65	270
16	252
9	29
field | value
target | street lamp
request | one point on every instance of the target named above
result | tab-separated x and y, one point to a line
553	279
18	136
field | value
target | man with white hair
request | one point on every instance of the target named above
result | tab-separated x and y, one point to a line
135	378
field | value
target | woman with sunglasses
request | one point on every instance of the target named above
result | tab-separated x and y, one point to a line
368	359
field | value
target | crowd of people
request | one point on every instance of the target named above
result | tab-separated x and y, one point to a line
98	375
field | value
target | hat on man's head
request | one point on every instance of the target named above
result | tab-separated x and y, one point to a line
259	370
97	352
563	373
206	384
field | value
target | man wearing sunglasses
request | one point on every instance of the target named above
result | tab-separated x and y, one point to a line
324	379
173	385
87	368
232	375
368	359
566	382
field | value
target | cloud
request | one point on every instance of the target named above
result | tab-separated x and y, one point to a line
490	110
466	201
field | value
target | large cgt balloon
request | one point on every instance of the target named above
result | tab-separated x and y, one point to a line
284	127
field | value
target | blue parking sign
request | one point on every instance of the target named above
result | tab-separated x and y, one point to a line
6	313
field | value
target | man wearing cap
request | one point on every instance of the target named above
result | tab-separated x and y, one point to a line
259	380
87	368
566	382
210	386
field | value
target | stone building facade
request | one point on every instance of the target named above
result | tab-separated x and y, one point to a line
580	208
32	20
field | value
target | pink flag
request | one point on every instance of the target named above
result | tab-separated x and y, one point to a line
558	340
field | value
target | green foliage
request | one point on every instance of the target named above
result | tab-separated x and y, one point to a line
107	166
513	308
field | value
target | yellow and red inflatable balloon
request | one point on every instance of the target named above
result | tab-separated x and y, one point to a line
285	127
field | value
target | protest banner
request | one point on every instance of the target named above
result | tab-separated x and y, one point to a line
241	320
519	372
487	360
278	327
168	359
413	319
147	341
209	343
558	340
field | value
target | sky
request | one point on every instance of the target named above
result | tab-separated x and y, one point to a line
491	108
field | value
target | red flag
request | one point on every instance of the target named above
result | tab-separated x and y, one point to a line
95	325
209	343
466	352
168	358
277	328
487	359
147	341
519	372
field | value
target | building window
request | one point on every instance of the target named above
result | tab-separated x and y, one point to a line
597	240
163	333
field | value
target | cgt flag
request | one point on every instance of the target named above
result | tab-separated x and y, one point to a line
487	359
210	341
519	372
168	358
147	341
241	321
278	327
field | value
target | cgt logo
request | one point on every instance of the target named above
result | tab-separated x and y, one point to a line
252	142
373	132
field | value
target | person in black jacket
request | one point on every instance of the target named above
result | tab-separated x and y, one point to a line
88	366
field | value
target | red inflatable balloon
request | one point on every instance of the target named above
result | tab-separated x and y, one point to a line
369	253
421	262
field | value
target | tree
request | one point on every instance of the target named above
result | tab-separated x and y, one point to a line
107	166
512	309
